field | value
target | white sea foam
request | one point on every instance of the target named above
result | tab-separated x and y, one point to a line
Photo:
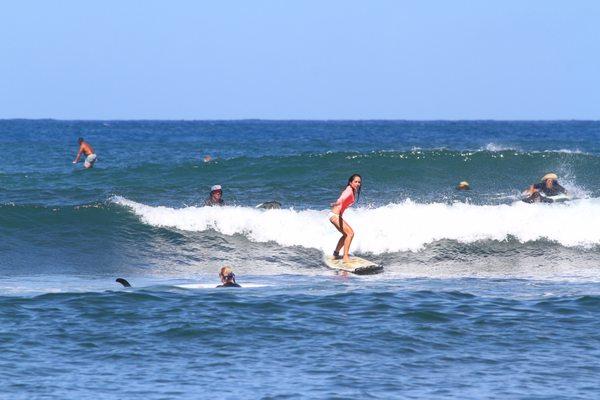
566	151
406	226
493	147
213	285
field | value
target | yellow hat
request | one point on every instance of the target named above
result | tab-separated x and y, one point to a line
463	185
549	176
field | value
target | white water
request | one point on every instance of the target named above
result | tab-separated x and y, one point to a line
407	226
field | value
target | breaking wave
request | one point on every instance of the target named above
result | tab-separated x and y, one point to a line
406	226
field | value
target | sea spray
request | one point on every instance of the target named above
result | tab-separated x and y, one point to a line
407	226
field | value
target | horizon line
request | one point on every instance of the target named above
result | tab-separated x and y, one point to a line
299	120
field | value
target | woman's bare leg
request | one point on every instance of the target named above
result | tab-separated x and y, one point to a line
337	222
339	245
349	235
346	239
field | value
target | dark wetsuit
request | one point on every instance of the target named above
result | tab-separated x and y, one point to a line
229	284
210	202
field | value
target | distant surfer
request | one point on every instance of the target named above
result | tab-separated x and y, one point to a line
348	197
227	278
544	191
88	151
216	197
464	185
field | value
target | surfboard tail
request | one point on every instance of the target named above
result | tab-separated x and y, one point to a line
357	265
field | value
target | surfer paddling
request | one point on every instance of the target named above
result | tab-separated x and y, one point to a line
348	197
88	151
544	191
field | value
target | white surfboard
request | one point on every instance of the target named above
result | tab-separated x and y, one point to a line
559	197
357	265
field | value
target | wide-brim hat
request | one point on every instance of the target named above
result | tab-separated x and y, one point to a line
552	176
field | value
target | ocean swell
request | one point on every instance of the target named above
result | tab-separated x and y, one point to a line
407	226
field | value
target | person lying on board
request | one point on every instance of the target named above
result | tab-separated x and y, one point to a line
548	187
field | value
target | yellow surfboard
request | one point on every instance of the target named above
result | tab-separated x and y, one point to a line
357	265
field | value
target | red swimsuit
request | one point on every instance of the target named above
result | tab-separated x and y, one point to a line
346	199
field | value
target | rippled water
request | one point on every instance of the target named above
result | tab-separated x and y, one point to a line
482	296
294	336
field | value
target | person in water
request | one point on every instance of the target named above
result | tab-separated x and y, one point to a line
227	278
216	197
539	192
464	185
348	197
85	148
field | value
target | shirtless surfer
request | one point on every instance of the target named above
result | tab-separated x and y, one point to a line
88	151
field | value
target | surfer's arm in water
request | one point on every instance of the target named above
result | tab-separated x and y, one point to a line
531	194
534	188
76	160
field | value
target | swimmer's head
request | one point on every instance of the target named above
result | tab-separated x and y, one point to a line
216	192
80	140
226	274
464	185
207	158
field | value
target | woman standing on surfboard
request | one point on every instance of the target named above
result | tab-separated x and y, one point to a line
347	198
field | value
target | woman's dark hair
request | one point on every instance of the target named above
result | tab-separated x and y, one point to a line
357	192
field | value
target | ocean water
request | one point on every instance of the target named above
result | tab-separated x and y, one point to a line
482	295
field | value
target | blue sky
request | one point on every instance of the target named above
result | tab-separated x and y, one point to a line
300	59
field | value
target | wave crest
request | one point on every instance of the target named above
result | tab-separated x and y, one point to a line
407	226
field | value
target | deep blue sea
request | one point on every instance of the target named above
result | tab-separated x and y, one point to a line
482	295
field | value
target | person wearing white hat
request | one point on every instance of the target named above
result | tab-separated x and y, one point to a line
548	187
216	197
464	185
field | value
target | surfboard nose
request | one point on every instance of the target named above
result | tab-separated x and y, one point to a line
123	282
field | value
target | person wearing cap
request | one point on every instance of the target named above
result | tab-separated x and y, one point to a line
548	186
215	197
85	148
227	278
